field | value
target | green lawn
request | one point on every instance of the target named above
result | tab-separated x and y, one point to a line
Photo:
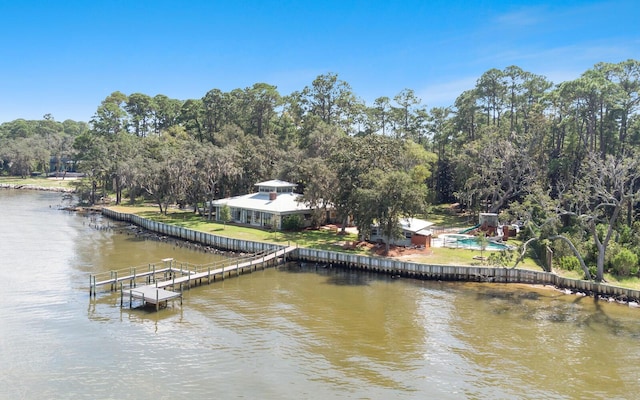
449	256
443	216
626	282
37	181
320	239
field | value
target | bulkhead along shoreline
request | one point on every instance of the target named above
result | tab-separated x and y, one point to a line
398	269
394	267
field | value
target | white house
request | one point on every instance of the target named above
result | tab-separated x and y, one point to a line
274	201
414	233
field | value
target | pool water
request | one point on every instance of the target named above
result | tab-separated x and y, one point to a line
470	242
473	243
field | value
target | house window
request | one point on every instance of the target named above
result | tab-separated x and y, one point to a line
408	234
266	219
374	231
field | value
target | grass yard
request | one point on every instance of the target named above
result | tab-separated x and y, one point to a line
625	282
321	239
37	181
449	256
444	215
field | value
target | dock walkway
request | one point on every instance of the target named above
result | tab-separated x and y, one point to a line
167	282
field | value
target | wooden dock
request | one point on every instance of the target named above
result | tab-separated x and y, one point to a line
151	295
165	283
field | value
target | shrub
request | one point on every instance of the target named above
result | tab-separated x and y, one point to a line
593	270
225	214
625	263
612	251
569	263
292	223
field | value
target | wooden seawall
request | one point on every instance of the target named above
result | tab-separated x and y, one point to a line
391	266
464	273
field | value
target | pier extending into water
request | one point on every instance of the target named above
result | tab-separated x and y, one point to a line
158	284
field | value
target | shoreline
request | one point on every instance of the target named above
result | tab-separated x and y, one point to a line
398	269
58	189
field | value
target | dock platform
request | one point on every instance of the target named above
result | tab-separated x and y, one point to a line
152	295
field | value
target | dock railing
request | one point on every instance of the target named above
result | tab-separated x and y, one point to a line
168	270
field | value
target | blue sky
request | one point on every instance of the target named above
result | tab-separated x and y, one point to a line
65	57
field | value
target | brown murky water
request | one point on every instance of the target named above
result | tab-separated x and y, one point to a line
288	333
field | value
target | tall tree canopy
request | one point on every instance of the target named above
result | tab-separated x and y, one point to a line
511	136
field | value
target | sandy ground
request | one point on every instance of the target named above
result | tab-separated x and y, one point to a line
378	249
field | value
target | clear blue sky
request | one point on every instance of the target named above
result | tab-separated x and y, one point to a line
65	57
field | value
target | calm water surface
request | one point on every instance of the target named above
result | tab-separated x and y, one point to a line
288	333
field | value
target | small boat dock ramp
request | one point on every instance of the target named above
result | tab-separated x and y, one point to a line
158	284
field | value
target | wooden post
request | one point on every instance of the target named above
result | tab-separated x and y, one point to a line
121	295
130	298
157	301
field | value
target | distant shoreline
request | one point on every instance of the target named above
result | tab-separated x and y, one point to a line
36	187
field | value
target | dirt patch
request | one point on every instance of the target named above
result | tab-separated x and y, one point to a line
380	249
337	228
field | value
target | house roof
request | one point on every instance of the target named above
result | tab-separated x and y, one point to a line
276	183
283	203
415	225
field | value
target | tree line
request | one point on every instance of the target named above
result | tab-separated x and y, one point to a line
559	158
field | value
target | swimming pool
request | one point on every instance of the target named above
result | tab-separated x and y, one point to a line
461	241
